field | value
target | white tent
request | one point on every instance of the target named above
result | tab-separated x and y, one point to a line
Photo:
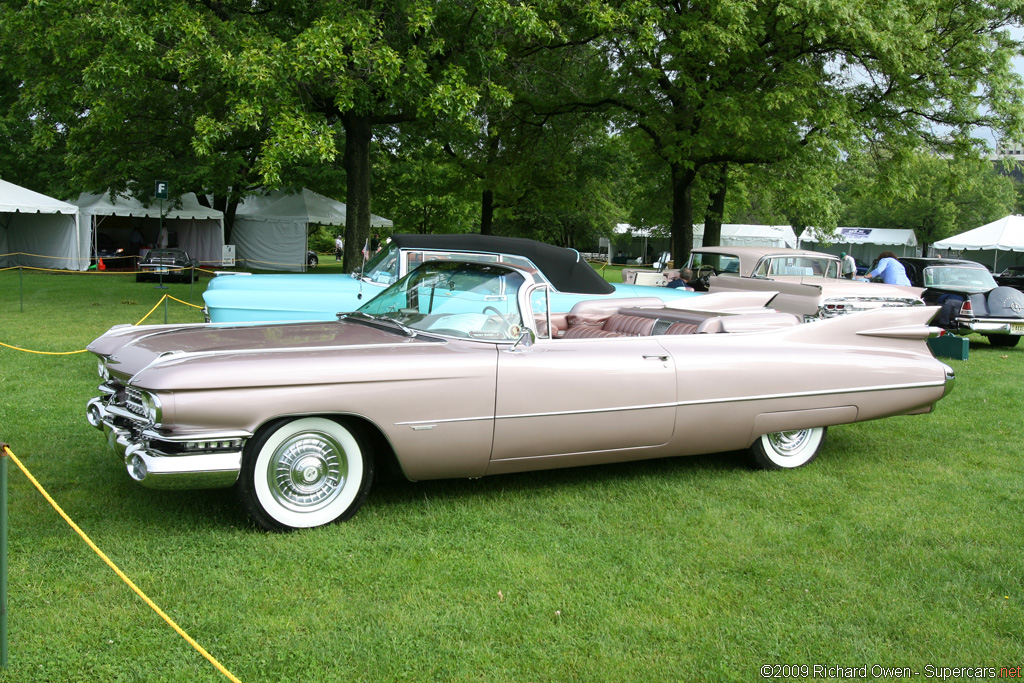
39	231
740	234
1005	234
199	230
733	234
271	230
864	243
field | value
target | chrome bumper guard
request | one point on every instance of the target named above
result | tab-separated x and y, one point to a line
207	460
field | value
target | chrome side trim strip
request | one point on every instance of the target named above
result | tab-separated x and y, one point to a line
677	404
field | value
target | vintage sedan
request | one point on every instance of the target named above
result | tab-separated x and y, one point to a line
242	297
809	283
970	298
167	265
461	369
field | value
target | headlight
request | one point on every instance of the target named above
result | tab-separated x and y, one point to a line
151	406
101	367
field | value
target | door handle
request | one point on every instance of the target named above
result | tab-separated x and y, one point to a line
663	359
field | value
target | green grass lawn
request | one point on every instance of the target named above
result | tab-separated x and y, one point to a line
900	546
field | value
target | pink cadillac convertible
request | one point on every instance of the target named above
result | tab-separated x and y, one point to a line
461	369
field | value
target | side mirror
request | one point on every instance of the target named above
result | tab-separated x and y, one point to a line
526	339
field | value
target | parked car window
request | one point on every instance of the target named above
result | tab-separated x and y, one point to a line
965	279
455	298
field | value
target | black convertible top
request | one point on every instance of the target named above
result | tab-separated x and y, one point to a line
564	268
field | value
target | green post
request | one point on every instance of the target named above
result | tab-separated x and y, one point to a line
165	309
21	287
3	555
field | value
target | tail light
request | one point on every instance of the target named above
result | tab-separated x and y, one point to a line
967	309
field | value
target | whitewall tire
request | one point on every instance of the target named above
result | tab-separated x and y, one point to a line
789	449
303	473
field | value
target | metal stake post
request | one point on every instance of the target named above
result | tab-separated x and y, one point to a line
3	555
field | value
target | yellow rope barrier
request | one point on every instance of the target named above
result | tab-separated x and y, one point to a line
43	353
170	622
151	310
69	353
182	302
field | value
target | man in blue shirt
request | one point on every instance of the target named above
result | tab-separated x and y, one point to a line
890	270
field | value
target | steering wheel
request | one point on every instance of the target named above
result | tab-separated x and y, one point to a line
499	314
703	283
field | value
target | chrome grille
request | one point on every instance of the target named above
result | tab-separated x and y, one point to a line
134	401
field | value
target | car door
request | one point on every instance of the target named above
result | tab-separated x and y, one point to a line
571	396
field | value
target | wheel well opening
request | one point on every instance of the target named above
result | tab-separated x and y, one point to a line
386	465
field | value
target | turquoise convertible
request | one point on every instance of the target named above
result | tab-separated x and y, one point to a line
242	297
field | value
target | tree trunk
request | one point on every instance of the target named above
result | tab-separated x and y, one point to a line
682	213
715	213
486	212
358	134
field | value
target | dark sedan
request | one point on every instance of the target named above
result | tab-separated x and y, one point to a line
170	265
970	298
1012	277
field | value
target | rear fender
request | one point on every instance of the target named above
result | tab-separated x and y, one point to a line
905	327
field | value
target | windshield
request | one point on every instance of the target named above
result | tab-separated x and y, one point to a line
455	299
383	267
721	264
964	279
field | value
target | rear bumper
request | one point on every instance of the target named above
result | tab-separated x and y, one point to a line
1014	326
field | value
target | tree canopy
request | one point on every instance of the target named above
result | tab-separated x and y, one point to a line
555	117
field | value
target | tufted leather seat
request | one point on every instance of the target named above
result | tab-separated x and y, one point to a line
629	325
615	326
587	332
681	328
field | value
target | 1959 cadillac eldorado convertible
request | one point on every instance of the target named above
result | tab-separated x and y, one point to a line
461	369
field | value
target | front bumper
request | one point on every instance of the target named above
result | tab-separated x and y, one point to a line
201	460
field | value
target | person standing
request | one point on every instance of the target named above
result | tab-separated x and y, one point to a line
849	265
339	247
890	270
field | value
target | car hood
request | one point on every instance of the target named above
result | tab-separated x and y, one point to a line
193	351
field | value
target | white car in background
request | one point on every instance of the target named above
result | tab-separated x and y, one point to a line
809	283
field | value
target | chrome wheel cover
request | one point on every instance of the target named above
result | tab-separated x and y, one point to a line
788	444
307	471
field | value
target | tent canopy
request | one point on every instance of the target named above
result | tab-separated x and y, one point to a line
40	231
316	208
742	234
900	237
865	244
1005	234
271	230
733	234
199	229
